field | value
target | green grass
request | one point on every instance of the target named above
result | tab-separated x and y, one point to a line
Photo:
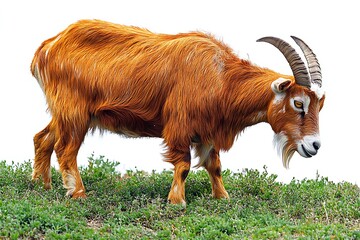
134	207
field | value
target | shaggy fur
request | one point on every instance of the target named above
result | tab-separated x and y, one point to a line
189	89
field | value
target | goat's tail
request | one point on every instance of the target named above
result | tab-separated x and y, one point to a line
39	61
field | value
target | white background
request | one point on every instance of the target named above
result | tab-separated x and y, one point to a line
331	28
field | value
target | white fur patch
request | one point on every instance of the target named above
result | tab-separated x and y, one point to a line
317	90
280	141
69	183
279	97
204	154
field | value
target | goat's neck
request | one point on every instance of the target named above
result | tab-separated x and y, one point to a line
248	98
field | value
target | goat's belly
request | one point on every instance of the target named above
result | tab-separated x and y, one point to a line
148	131
127	123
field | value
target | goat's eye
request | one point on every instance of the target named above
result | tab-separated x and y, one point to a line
298	104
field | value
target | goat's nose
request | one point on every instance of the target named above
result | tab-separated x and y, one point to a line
316	145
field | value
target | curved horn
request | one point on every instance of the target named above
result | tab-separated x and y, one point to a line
297	65
313	63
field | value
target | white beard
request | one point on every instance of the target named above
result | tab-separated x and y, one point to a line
284	150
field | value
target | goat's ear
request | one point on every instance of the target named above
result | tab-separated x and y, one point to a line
281	85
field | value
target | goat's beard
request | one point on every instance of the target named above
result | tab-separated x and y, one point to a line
284	149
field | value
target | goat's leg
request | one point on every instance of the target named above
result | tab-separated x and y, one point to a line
214	169
66	148
210	160
181	160
44	145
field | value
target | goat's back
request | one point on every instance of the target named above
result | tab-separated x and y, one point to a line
94	67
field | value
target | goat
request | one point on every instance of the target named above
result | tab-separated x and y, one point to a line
189	89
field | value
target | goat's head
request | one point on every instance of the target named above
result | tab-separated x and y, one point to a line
294	111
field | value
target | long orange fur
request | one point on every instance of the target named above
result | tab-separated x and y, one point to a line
189	89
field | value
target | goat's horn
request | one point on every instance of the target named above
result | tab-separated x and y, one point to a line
297	65
313	63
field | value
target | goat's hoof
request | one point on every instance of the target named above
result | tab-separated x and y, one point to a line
177	202
221	195
47	186
76	194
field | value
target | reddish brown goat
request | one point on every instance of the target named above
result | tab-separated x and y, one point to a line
189	89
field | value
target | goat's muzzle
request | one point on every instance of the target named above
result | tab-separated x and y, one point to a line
309	146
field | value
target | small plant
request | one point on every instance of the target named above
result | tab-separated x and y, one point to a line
100	167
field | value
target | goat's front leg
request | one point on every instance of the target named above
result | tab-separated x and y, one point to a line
181	160
213	166
210	160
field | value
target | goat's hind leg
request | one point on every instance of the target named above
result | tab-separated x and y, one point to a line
44	145
67	146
